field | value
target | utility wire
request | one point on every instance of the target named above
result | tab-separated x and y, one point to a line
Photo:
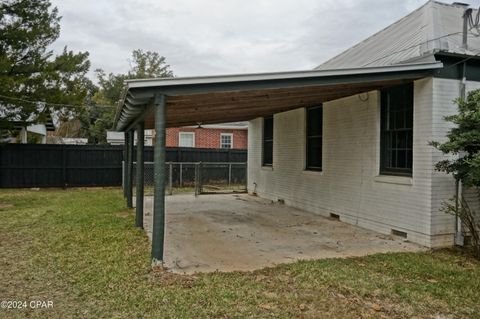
411	47
48	103
474	23
475	26
460	62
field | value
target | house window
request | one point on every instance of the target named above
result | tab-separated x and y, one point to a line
268	141
396	140
226	140
186	139
314	138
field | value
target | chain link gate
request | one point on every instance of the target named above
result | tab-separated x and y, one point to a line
197	177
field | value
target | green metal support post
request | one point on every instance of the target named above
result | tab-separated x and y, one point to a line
158	232
139	175
130	169
124	166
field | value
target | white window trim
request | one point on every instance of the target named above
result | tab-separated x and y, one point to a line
186	133
392	179
231	139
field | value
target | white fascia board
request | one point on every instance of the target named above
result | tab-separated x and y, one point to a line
159	82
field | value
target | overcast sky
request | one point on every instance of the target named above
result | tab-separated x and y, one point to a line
203	37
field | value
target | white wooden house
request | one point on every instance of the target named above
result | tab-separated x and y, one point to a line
372	164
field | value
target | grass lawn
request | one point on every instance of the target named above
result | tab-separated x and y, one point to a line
79	248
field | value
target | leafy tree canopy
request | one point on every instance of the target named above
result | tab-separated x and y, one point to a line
29	71
148	64
143	65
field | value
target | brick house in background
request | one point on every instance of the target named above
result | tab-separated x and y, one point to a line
231	135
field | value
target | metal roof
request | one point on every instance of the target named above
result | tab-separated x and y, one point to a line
228	98
432	28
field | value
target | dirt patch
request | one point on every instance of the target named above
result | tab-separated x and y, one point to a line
5	206
123	214
167	278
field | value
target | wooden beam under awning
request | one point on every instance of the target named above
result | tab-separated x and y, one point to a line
223	107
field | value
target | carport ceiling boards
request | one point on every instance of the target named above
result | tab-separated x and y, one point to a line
229	98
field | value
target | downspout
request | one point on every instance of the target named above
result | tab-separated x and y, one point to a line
459	239
466	16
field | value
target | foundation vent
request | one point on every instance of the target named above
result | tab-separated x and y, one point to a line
334	216
399	233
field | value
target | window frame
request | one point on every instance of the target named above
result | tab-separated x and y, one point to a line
384	133
186	133
308	137
264	141
231	140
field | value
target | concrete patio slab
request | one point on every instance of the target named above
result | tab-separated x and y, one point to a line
243	232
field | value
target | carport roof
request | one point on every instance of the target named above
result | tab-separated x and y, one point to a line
229	98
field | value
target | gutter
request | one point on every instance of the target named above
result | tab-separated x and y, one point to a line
178	81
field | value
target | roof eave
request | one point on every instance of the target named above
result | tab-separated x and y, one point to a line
167	82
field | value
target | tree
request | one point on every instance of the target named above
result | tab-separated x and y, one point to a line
148	65
463	141
143	64
29	71
96	117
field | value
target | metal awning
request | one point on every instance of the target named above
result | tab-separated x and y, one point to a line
160	103
229	98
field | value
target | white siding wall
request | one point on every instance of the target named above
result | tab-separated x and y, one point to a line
349	184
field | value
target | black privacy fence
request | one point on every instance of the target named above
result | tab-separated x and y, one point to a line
44	165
